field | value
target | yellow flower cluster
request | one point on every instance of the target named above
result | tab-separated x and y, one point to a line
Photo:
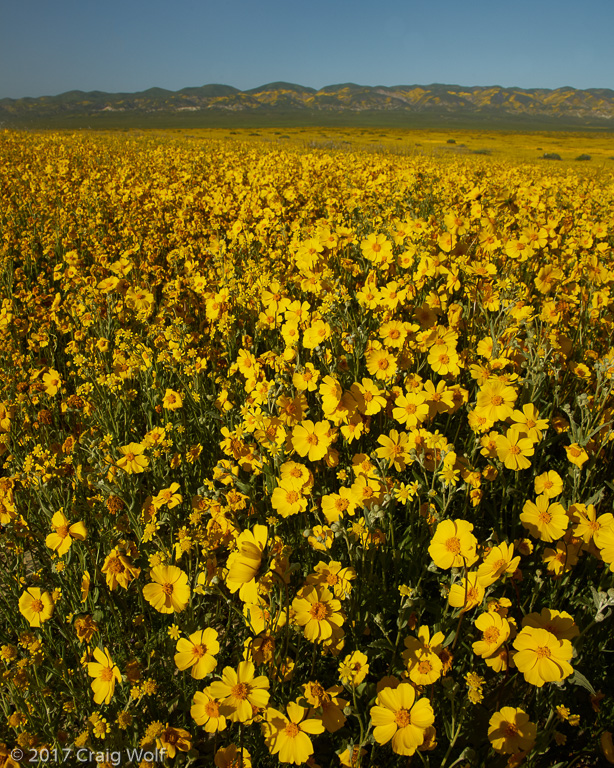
306	454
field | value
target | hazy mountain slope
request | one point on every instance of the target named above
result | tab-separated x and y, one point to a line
592	107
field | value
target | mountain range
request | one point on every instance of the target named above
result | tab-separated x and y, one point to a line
346	103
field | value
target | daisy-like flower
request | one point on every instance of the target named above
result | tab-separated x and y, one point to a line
495	631
576	454
529	423
133	461
510	730
334	576
381	364
288	500
169	590
240	691
411	409
588	526
541	657
168	496
354	668
63	534
288	737
421	656
85	626
368	396
543	520
297	476
496	400
318	613
311	440
513	448
335	505
232	757
444	360
198	653
395	449
172	400
173	740
550	484
453	544
306	379
331	392
208	712
36	605
244	563
52	381
466	594
398	716
499	562
559	623
105	674
316	334
329	700
118	569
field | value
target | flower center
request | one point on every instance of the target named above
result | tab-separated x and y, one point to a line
106	675
543	651
332	578
37	606
292	730
497	400
453	545
544	517
318	611
167	589
115	566
424	667
402	718
491	635
199	651
62	531
240	691
510	730
292	497
212	709
312	439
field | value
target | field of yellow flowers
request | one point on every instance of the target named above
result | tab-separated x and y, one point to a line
306	456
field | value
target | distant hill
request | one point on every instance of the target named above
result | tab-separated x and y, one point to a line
346	103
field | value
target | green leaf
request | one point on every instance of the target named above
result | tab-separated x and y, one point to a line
449	639
578	679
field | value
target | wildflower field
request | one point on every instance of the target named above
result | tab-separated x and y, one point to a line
306	456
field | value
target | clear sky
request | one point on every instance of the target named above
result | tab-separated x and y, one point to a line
51	46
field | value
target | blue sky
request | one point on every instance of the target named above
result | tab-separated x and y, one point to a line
49	47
